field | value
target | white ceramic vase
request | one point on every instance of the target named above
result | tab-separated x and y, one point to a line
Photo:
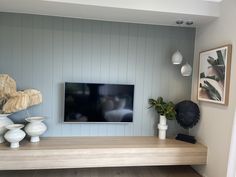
162	127
4	121
35	128
14	134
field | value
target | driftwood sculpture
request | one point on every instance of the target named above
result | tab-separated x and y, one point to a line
12	100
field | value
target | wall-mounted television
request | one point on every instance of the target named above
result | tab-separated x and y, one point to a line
95	102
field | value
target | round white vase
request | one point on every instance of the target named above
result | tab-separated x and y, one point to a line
14	134
162	127
4	121
35	128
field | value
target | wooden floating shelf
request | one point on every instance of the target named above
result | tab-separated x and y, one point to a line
84	152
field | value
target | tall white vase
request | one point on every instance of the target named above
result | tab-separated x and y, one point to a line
14	134
35	128
162	127
4	121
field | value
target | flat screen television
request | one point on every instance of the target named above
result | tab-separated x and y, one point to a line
89	102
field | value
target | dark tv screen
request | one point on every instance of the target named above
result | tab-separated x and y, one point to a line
89	102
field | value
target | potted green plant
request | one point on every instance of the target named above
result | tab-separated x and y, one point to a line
166	110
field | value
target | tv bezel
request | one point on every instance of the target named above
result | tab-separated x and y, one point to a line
74	122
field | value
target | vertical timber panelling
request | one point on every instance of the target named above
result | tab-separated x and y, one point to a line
44	52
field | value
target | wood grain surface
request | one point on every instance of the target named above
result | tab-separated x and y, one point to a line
83	152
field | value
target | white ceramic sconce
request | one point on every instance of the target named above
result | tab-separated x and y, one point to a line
186	70
177	58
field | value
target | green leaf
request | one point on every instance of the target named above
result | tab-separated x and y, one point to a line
211	91
202	75
163	108
220	59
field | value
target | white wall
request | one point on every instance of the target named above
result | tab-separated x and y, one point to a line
43	52
231	172
215	127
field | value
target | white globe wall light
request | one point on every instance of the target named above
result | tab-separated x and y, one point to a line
177	58
186	70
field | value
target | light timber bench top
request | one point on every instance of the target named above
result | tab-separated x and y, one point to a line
83	152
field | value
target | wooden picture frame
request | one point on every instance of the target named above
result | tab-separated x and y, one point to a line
214	75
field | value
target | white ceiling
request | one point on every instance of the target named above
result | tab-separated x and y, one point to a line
213	0
161	12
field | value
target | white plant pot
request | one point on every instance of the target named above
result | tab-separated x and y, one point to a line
14	134
4	121
162	127
35	128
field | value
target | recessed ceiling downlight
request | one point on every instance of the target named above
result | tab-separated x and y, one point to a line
189	22
179	22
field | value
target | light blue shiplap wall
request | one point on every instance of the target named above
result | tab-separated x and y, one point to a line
43	52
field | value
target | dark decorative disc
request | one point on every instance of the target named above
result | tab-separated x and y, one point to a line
187	113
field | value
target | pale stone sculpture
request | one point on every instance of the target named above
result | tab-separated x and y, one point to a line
35	97
7	86
16	103
12	101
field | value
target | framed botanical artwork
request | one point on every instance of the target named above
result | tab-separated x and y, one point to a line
214	75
